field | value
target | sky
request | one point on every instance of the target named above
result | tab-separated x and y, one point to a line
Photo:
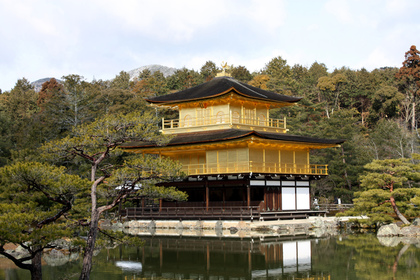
99	38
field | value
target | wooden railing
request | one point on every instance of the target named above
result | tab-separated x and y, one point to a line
214	212
231	212
255	167
217	120
334	207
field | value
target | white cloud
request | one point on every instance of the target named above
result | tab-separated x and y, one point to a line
340	10
379	57
396	7
268	14
165	19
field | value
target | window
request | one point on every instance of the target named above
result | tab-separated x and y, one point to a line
220	117
261	120
235	117
187	121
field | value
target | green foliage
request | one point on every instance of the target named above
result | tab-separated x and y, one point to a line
150	85
208	71
121	81
241	73
385	181
386	102
280	76
35	206
140	174
19	107
105	135
370	259
183	79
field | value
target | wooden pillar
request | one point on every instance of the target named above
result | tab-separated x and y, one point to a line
160	205
248	195
249	261
207	195
160	254
265	198
223	196
208	257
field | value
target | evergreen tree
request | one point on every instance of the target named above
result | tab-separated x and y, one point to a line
390	187
409	74
34	199
208	71
97	143
20	106
241	74
281	76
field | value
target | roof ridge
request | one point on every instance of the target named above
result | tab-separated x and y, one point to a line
243	85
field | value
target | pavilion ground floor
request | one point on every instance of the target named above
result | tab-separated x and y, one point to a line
232	197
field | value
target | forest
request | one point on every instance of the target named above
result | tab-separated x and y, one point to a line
374	111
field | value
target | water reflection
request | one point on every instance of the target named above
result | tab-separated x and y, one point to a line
346	256
189	258
129	266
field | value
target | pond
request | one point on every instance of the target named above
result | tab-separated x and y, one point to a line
345	256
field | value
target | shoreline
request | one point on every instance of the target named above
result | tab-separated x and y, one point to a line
312	226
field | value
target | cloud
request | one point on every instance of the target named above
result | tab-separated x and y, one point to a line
170	21
340	10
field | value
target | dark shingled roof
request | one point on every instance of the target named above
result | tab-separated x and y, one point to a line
232	134
219	86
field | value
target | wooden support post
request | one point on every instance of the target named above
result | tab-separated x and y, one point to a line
248	195
208	257
160	255
207	195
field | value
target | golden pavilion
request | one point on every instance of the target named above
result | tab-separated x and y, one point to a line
239	161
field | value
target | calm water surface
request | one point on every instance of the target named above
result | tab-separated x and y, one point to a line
340	257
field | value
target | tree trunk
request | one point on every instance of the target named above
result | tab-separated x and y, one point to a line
413	120
36	267
397	258
399	215
93	226
345	169
90	246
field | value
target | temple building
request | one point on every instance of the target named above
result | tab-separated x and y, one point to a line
237	158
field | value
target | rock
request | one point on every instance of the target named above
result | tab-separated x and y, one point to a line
410	240
389	241
218	226
56	257
61	244
318	223
411	231
151	225
416	222
389	230
233	230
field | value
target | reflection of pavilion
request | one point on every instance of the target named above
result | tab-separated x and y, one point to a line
190	258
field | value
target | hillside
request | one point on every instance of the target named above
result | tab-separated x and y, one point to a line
38	83
166	71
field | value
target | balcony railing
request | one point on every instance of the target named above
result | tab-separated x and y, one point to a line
220	120
248	167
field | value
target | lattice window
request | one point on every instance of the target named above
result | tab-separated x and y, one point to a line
220	117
